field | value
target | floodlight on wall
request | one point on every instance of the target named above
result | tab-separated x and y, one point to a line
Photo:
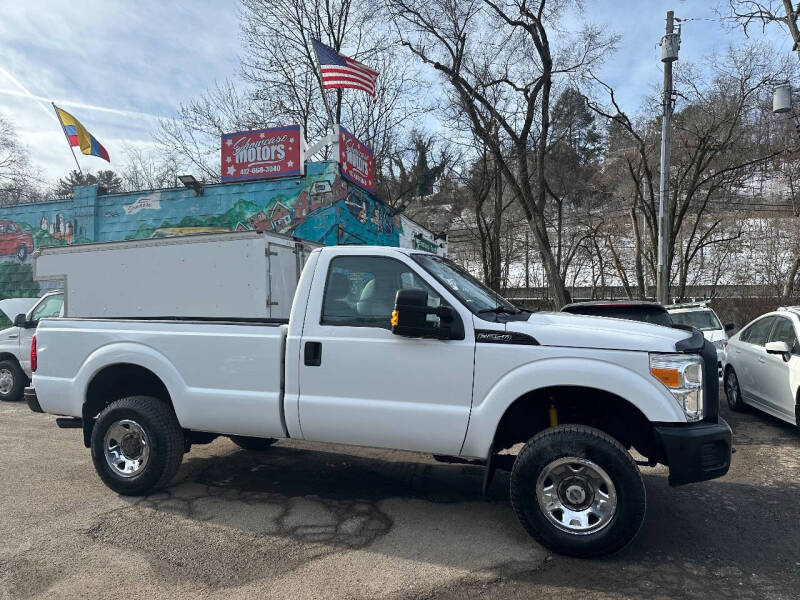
190	182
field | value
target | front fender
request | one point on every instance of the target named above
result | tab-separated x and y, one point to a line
64	396
646	394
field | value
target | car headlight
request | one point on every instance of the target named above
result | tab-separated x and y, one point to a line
682	375
720	344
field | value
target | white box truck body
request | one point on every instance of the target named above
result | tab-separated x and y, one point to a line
228	275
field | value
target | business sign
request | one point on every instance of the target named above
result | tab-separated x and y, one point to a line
356	161
262	154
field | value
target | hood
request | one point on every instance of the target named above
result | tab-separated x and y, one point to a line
582	331
11	307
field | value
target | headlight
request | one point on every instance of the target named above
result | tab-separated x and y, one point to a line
720	344
682	374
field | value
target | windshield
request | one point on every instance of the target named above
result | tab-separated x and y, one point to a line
475	296
704	320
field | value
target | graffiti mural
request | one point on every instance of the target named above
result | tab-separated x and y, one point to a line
319	207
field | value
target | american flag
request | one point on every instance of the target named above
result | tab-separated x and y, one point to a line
339	71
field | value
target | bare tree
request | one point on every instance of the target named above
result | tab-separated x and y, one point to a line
194	133
714	151
147	170
748	13
499	62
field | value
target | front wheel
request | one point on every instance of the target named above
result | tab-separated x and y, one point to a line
137	445
577	491
732	390
22	252
12	381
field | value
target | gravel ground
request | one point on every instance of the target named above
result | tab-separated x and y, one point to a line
302	521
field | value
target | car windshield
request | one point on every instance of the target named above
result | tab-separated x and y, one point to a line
476	296
704	320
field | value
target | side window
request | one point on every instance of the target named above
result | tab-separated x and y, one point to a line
784	332
360	290
757	332
50	307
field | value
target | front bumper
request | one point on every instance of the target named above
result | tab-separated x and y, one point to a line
695	451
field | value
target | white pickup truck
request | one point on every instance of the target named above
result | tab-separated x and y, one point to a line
401	349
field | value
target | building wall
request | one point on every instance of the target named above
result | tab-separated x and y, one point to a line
319	207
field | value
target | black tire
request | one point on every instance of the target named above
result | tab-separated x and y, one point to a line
22	252
732	390
165	436
11	368
580	442
252	443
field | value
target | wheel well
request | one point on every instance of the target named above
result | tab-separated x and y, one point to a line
728	369
531	413
115	382
8	356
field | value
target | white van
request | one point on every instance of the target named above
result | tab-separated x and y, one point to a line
15	341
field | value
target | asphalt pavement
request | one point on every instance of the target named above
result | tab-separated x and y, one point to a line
310	521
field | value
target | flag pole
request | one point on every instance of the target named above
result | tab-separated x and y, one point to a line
66	137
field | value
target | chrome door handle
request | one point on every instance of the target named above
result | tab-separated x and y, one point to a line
762	360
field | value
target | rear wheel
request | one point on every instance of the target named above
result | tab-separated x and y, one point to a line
732	390
12	381
252	443
137	445
577	491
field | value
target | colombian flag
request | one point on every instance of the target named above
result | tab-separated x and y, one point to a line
78	136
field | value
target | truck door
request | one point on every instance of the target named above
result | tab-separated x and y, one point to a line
359	383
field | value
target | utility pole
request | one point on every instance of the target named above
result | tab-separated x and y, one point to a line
669	54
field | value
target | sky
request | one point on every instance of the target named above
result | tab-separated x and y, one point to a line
118	66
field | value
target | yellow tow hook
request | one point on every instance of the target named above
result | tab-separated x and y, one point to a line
553	415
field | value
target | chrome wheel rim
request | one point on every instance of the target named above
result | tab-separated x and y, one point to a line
127	448
576	495
6	381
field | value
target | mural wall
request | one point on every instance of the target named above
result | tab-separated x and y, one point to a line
320	207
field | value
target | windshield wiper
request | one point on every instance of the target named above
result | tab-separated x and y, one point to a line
500	309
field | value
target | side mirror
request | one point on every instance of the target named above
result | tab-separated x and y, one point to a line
20	321
411	310
781	348
730	326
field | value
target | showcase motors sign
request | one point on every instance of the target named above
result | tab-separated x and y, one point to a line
262	154
356	161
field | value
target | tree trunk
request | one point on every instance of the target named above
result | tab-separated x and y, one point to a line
789	285
637	258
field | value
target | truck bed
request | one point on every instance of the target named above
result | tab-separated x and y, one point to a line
224	376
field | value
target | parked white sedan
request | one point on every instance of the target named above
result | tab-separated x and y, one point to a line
763	365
